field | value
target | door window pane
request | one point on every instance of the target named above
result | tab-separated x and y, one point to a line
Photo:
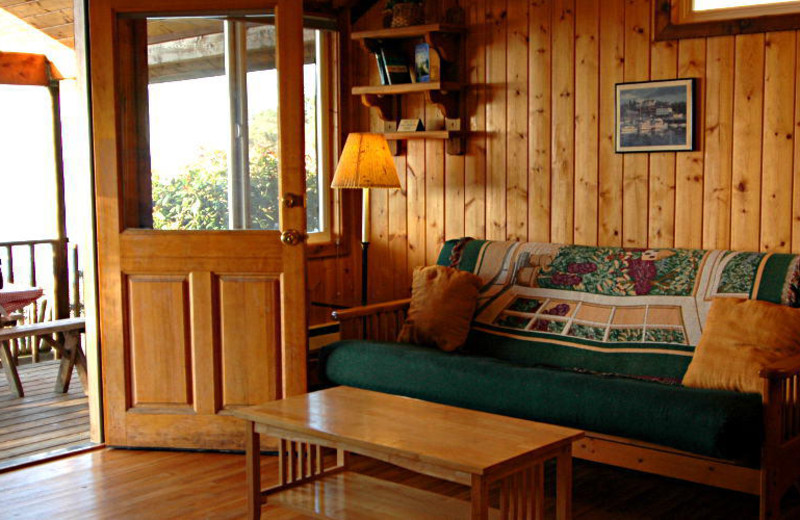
212	94
189	121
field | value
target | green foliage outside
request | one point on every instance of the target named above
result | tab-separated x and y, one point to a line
197	198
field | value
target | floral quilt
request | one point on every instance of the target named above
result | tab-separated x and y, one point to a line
633	312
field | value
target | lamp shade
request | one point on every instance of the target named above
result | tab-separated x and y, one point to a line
366	162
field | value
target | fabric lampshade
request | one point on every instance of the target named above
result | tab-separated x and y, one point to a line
366	162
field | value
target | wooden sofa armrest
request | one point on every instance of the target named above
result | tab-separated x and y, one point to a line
782	408
782	369
377	322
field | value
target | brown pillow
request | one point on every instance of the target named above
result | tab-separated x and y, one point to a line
443	301
740	338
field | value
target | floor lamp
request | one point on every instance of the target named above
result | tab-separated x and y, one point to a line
365	163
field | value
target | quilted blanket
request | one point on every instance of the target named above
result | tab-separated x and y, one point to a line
630	312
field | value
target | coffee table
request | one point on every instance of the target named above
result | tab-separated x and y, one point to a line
465	446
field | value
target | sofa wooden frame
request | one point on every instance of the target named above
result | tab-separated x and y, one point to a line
780	453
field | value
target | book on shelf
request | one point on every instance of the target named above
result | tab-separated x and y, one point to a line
382	68
396	67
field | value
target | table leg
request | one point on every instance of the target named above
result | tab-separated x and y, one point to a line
72	356
480	498
10	369
564	484
253	465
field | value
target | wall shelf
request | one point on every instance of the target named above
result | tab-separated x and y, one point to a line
424	134
445	41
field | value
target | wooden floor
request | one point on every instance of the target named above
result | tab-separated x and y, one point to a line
128	484
43	423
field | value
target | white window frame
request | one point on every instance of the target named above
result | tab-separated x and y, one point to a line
683	12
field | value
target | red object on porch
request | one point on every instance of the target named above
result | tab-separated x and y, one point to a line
16	297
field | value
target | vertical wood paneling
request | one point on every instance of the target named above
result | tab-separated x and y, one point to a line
434	186
398	232
563	127
454	176
496	102
748	100
689	165
539	121
635	175
776	192
415	189
540	162
475	160
661	231
796	190
612	70
586	120
718	143
517	131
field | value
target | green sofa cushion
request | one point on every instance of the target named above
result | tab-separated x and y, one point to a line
707	422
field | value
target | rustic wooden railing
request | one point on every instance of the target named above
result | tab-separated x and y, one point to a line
62	283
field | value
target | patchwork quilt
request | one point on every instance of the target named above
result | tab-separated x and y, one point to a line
630	312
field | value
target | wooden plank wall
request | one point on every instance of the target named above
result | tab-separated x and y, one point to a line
540	163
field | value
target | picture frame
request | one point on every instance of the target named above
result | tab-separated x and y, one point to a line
655	116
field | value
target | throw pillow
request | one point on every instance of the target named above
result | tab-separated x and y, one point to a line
443	301
739	339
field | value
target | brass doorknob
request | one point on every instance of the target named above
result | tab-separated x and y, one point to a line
292	237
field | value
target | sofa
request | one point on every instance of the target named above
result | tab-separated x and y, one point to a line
598	338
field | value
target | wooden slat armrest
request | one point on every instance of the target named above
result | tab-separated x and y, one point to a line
369	310
782	369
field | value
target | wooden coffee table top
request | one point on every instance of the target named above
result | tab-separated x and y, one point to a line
455	438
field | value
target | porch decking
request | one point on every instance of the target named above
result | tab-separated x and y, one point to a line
43	423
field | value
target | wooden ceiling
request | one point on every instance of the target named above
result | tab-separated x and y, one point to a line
55	17
52	17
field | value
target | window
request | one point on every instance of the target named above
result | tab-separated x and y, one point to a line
694	11
212	117
705	18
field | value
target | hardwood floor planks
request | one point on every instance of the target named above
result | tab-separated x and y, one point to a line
132	484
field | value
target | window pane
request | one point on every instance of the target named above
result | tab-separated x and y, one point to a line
262	107
189	123
707	5
212	96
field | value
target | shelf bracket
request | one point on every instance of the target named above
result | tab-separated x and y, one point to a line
446	101
444	43
383	104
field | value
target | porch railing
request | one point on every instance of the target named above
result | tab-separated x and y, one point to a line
25	263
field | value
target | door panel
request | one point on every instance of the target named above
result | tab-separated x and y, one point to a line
160	336
250	333
193	323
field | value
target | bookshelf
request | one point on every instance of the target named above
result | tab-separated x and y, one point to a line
444	91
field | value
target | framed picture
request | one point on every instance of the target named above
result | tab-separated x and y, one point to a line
655	116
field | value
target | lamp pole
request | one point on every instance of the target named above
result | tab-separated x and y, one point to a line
365	225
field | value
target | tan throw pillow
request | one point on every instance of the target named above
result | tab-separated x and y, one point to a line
740	338
443	301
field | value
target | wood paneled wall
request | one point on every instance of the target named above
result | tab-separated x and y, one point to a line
540	162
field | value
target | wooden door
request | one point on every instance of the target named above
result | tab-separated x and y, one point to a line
193	323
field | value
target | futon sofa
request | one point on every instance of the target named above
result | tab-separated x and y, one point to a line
598	338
